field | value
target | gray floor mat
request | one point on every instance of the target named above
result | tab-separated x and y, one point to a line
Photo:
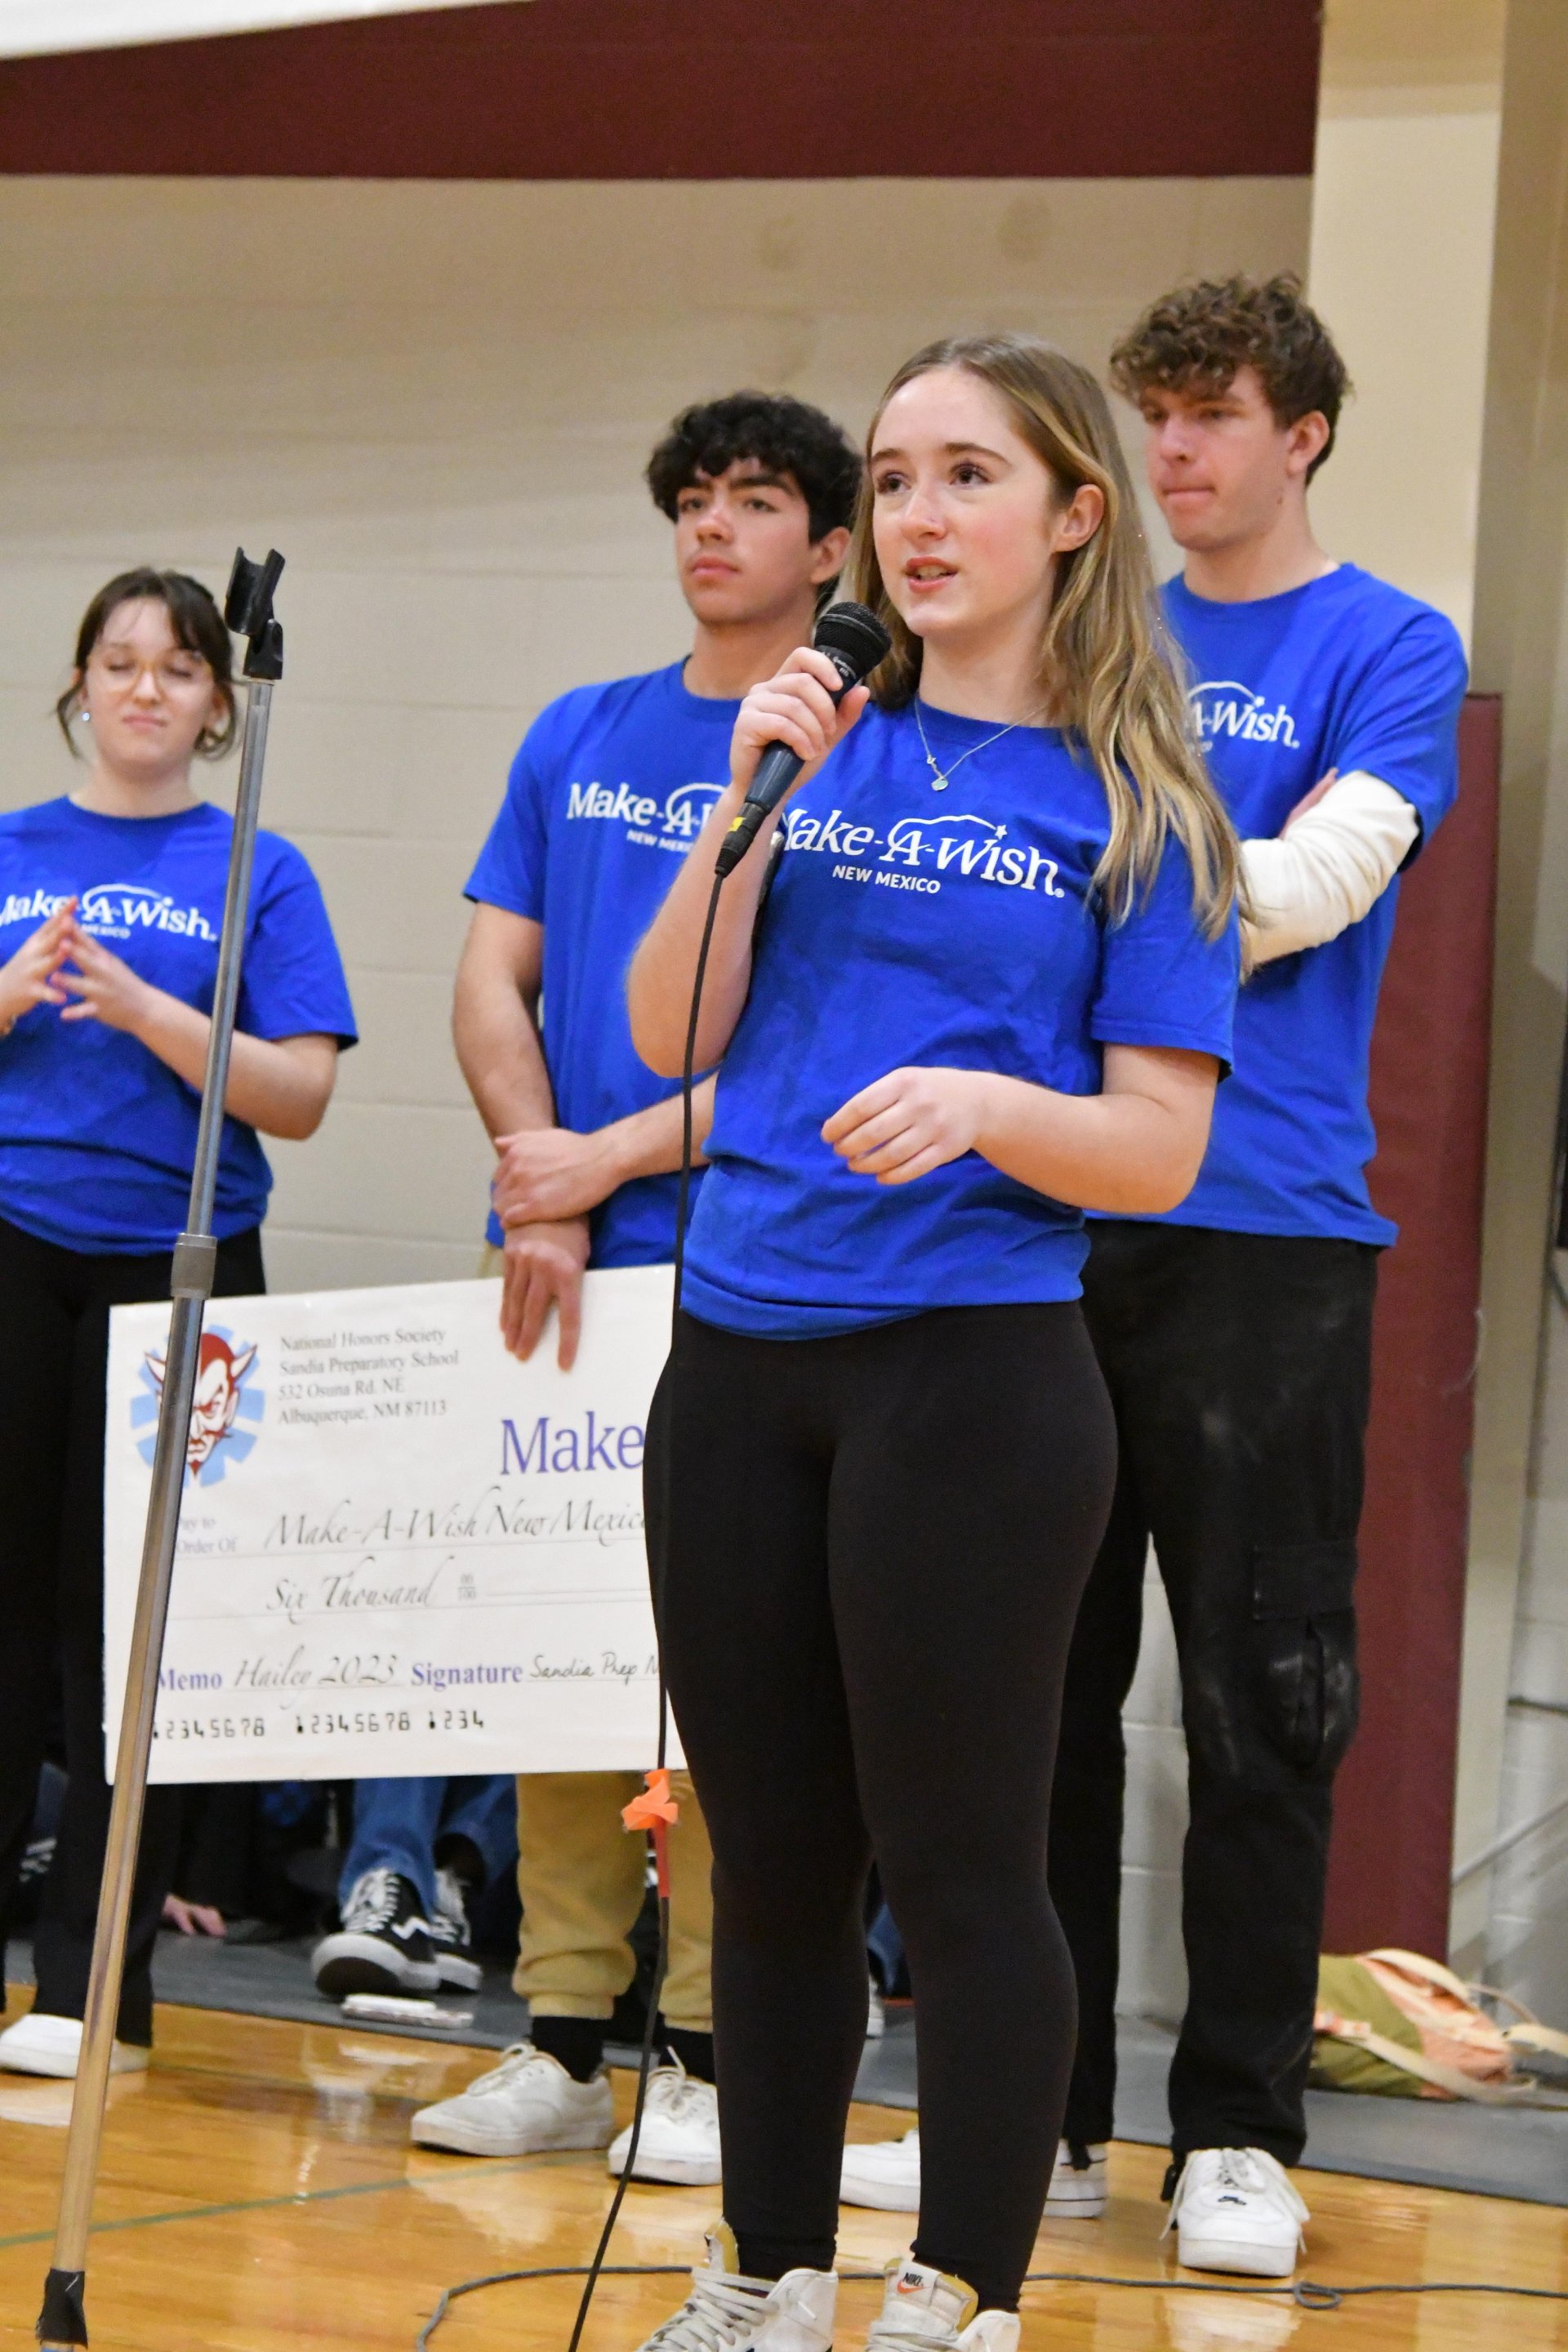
273	1981
1520	2152
1517	2152
1490	2151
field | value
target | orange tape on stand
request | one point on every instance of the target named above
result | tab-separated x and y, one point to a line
656	1810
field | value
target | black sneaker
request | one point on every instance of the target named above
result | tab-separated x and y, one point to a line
449	1933
384	1944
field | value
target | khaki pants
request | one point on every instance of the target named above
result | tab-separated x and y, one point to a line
581	1876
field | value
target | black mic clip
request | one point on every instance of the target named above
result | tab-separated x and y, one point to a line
855	640
248	610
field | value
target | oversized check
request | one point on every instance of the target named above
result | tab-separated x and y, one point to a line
400	1550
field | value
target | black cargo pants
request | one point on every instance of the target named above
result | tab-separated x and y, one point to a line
1238	1366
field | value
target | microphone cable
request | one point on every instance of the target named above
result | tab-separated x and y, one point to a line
657	1779
855	640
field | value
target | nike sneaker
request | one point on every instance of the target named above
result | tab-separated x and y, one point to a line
727	2312
925	2311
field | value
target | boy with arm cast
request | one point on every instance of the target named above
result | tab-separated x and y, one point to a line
1236	1332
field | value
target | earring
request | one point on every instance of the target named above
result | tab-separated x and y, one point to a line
84	718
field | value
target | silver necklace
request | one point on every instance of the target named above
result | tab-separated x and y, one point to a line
942	777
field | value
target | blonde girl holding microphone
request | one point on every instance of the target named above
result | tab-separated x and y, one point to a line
991	987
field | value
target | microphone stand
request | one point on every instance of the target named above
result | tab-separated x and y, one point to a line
62	2323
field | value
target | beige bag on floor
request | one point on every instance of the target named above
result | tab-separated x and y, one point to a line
1401	2026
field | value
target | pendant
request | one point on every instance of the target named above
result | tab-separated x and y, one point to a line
938	781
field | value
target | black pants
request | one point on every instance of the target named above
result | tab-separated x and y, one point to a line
54	1349
876	1547
1238	1366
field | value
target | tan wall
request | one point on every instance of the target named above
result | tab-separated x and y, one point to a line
1515	1761
1404	197
1440	227
437	400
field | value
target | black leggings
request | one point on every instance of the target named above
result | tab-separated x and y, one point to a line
54	1352
875	1551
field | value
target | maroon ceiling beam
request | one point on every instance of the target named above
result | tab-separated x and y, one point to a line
696	89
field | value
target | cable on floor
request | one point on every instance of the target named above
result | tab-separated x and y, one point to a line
1308	2295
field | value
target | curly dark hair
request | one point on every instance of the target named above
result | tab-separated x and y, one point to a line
195	623
786	435
1195	339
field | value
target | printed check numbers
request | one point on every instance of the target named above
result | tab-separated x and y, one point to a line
455	1718
333	1724
210	1726
364	1721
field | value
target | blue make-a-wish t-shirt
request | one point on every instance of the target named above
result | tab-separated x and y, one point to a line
955	930
97	1136
1344	673
611	787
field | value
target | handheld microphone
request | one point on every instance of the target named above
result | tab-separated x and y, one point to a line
854	641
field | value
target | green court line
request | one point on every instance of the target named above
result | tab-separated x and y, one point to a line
254	2205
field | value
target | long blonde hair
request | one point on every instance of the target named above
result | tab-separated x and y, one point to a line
1108	671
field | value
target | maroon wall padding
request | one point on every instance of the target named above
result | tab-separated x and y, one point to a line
1388	1878
697	89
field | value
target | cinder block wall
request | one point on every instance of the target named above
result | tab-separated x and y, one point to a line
1527	1939
436	400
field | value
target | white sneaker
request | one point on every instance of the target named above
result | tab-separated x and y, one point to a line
679	2136
526	2104
1234	2210
887	2173
727	2312
52	2045
925	2311
1077	2191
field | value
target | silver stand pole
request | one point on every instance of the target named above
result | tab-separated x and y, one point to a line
62	2323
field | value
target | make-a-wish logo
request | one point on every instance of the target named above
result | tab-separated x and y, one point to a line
685	810
226	1412
680	816
1223	706
116	910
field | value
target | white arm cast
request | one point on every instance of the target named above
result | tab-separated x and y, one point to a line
1329	868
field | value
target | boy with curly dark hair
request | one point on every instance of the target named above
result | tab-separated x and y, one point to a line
1236	1332
768	434
609	790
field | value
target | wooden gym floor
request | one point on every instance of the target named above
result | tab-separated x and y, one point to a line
259	2194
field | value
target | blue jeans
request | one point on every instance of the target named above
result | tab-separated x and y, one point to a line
398	1822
